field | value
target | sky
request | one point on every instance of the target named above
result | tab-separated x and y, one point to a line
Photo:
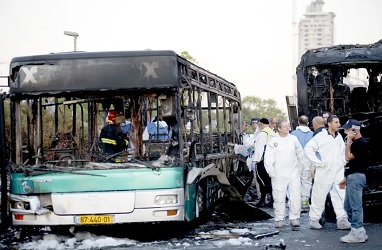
250	43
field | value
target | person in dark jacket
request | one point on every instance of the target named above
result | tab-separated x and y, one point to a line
112	136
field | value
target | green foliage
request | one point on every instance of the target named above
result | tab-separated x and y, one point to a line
7	121
187	56
64	117
253	106
7	127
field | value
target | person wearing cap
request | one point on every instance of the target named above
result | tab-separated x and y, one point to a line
265	134
284	159
304	134
329	164
356	153
249	140
112	136
256	131
255	126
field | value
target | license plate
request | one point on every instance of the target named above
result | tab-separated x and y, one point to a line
94	219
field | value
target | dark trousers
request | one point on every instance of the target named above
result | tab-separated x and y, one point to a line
249	183
264	181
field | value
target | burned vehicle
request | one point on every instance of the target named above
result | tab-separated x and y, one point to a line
346	80
176	158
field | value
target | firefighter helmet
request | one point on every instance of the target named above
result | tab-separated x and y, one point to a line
111	117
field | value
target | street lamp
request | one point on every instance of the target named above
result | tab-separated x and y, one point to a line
73	34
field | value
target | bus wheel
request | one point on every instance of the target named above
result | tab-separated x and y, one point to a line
208	192
27	232
199	200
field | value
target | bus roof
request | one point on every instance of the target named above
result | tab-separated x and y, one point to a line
81	71
342	54
92	55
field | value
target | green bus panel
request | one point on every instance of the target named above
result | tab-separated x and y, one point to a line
98	180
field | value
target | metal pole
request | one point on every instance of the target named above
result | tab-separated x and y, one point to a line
3	171
74	35
75	43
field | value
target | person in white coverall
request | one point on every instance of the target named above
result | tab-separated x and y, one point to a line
283	161
304	134
330	146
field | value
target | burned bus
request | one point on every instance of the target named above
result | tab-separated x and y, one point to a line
346	81
59	171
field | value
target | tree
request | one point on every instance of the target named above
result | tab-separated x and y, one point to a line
187	56
253	106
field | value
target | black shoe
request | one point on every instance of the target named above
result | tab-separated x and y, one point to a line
322	221
260	204
270	203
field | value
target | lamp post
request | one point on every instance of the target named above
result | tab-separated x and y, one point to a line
74	35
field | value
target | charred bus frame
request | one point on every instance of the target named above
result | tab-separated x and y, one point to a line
73	92
346	80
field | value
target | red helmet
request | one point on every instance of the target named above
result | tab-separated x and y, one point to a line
111	117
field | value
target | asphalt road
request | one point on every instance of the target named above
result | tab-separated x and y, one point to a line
216	233
328	238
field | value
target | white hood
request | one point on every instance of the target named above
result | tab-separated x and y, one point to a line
303	128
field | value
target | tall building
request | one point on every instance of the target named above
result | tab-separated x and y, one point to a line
316	29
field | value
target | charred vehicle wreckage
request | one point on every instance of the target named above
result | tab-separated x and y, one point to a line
178	160
346	81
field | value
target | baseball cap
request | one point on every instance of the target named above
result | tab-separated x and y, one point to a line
352	123
255	119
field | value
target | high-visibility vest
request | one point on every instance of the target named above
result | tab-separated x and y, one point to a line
270	133
109	141
112	142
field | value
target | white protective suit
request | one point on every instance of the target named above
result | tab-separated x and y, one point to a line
283	160
329	172
260	142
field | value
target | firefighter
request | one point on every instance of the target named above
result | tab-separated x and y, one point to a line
112	136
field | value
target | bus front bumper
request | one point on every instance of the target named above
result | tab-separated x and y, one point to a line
138	215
